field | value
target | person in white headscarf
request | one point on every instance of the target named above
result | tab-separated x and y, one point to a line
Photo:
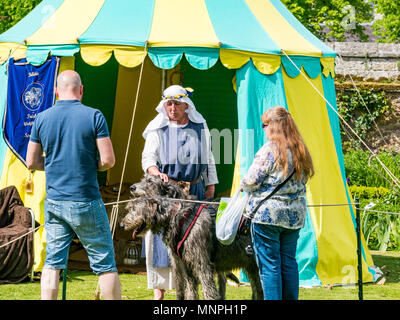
178	148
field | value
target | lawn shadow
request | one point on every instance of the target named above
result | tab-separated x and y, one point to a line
75	275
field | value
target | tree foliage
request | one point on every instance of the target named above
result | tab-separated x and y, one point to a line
332	19
329	20
11	11
388	26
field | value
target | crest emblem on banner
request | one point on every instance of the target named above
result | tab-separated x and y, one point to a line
32	97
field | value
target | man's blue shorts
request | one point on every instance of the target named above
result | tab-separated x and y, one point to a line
89	221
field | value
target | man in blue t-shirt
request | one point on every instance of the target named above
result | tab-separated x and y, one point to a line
76	143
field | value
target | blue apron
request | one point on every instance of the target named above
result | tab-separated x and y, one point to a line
182	152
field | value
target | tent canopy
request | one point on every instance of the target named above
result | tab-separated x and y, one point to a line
203	30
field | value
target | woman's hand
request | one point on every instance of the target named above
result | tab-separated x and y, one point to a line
155	172
210	190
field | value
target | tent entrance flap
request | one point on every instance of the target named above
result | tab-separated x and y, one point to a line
99	90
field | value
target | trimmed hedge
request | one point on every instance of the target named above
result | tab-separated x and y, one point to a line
369	192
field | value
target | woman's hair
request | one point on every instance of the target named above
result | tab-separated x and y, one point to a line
284	134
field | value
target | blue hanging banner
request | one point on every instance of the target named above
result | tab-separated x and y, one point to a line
31	90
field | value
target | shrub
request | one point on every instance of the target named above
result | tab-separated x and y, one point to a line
362	170
381	230
370	183
351	106
369	192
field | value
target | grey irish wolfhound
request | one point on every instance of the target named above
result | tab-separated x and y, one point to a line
202	254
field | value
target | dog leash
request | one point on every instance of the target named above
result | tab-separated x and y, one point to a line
215	202
164	198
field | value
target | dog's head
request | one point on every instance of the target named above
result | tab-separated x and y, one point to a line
146	214
151	185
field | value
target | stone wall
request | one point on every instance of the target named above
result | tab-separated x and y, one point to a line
373	66
368	61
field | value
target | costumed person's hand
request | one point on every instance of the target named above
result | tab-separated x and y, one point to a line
163	177
155	172
210	190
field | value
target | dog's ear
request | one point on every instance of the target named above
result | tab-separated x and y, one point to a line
165	189
185	186
158	207
161	208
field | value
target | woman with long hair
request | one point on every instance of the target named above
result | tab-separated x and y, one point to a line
277	222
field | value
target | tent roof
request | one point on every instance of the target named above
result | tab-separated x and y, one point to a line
234	30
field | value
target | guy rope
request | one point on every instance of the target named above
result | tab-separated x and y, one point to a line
391	175
210	203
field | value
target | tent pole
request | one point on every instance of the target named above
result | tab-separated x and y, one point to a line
114	212
163	80
33	244
64	289
359	265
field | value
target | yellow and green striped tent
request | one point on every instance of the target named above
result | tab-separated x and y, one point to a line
240	56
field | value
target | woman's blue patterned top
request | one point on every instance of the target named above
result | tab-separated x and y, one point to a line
287	208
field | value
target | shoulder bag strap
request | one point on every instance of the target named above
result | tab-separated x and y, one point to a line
272	193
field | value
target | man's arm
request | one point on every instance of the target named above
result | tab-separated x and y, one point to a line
34	156
210	192
107	157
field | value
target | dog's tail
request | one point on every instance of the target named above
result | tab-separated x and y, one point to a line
232	277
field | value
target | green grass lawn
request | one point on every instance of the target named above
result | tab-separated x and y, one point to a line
81	285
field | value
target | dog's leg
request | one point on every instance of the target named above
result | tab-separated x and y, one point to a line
191	288
256	288
179	274
186	284
222	285
205	275
255	282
